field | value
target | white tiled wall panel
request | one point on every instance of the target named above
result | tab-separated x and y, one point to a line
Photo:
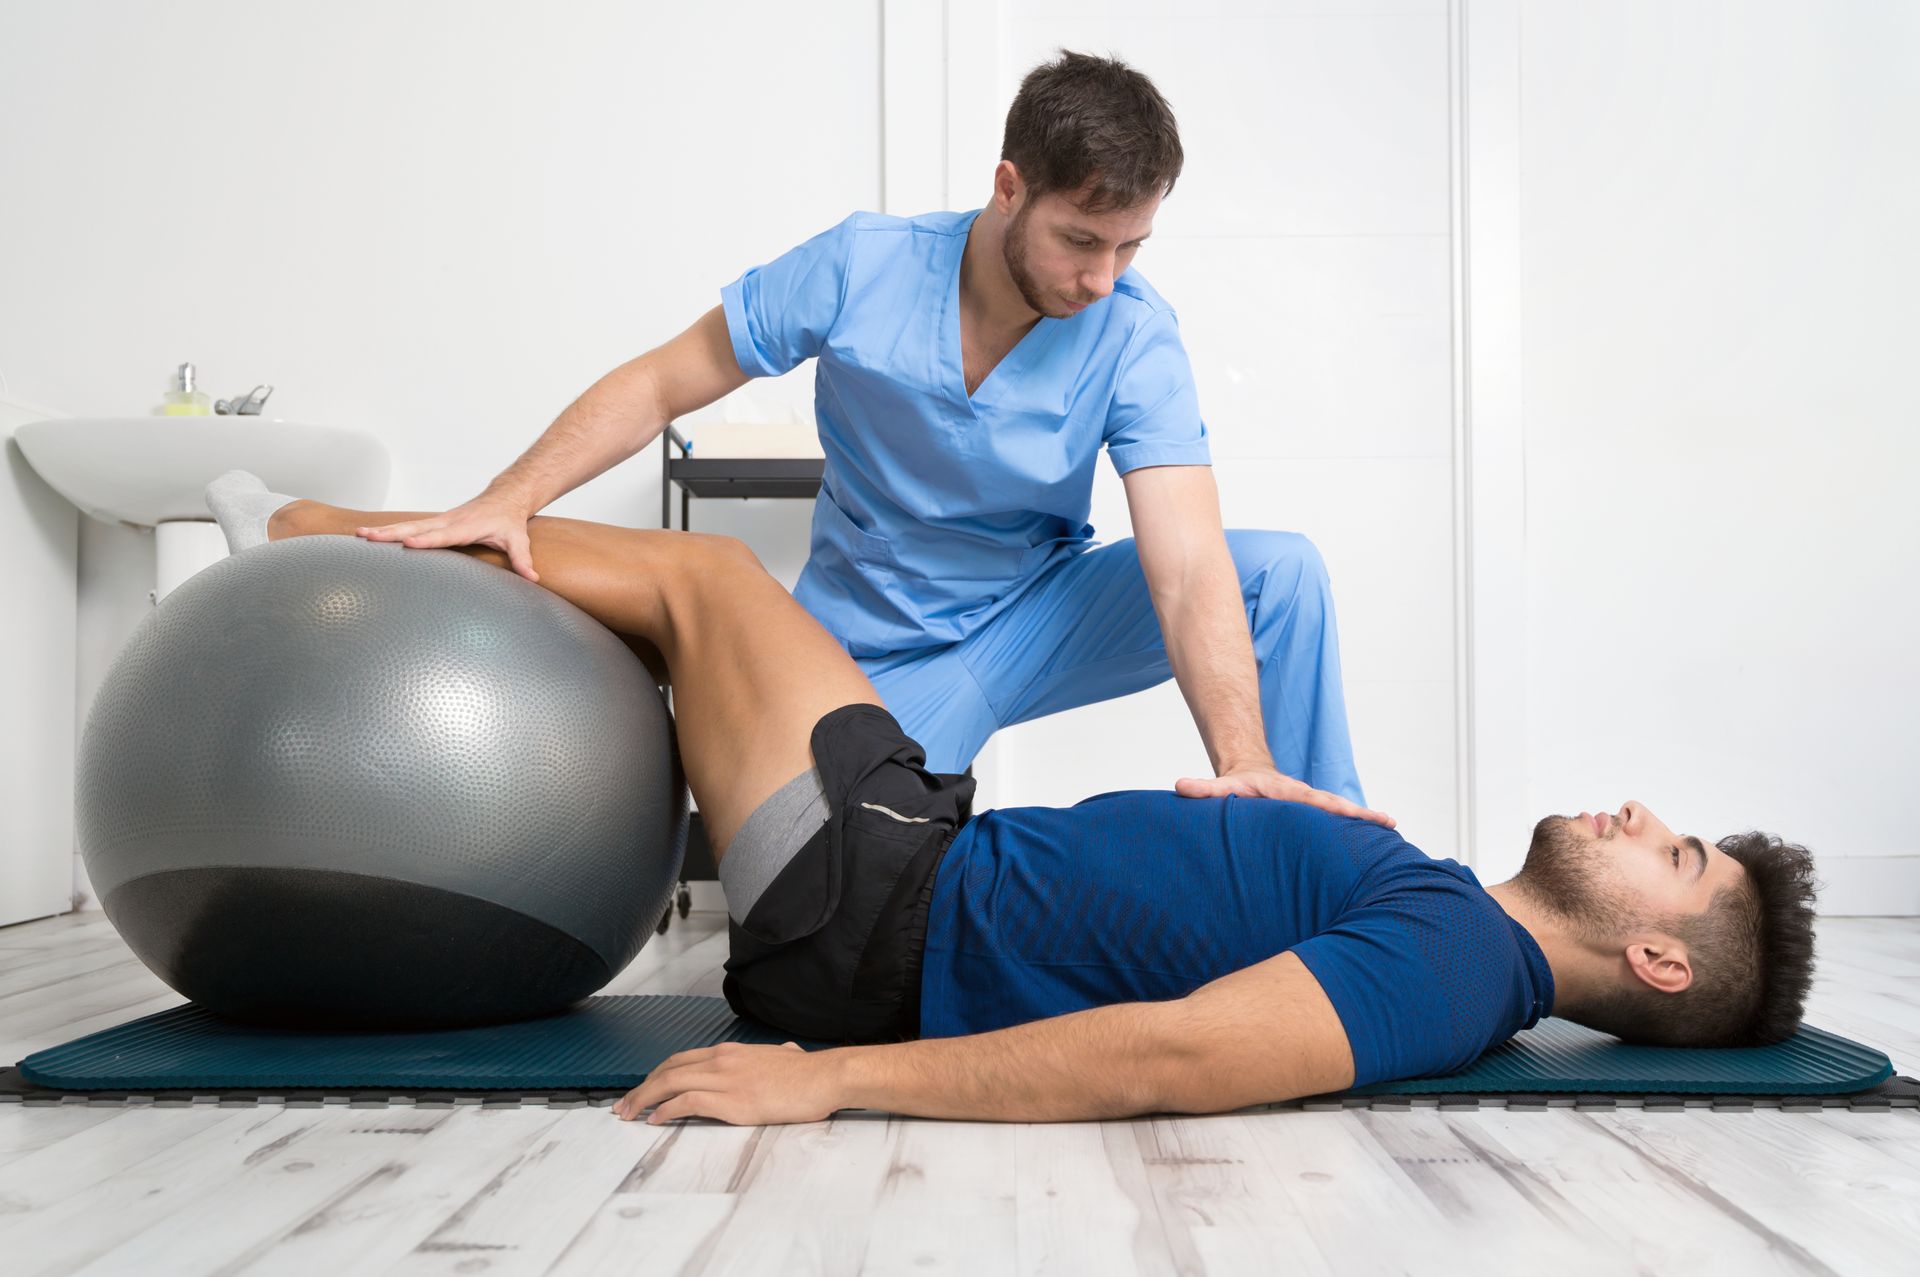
1403	745
1720	279
1314	347
439	230
1206	9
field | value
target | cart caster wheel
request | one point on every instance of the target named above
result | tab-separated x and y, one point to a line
666	917
686	900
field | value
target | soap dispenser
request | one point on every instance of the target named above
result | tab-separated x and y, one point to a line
183	400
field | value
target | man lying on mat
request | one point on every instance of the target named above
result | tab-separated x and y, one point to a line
1139	952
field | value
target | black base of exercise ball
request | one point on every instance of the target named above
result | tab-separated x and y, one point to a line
306	948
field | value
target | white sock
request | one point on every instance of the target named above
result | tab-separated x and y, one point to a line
242	505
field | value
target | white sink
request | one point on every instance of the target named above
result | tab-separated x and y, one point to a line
153	472
149	470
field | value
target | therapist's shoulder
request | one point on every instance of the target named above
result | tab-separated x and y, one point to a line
1138	317
888	225
867	243
850	230
1140	300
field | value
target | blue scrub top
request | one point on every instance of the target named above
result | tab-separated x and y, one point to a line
937	508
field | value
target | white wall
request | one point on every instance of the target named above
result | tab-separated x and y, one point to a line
1721	301
38	529
439	222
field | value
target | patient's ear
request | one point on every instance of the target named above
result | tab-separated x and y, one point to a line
1661	963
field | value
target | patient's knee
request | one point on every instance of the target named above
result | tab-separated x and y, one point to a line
708	568
724	553
739	550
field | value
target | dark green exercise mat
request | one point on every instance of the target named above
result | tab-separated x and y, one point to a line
600	1049
602	1043
1559	1055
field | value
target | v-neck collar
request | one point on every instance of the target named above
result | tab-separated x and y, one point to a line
957	363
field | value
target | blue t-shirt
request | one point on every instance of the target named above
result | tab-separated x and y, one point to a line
1145	896
938	506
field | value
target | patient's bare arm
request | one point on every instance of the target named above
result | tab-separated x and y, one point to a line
1263	1034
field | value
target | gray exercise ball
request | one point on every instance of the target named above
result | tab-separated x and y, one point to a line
335	783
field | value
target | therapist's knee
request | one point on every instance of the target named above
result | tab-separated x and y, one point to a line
1279	568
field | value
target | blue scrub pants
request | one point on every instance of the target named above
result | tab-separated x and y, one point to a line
1085	631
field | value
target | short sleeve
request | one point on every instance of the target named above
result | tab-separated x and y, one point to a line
1155	417
1424	982
778	315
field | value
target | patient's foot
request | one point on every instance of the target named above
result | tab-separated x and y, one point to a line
244	508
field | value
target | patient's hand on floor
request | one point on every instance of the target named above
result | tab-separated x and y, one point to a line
742	1084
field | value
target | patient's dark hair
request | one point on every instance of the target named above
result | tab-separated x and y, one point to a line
1081	118
1752	958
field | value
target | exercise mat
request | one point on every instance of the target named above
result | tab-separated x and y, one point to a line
1560	1064
601	1043
1559	1055
597	1051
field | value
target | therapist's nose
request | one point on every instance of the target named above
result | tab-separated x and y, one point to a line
1098	283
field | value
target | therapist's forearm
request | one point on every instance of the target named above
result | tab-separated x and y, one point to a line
623	412
1210	648
612	419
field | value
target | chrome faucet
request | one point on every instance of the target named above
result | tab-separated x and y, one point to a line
247	407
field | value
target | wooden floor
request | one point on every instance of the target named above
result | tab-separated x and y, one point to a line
279	1190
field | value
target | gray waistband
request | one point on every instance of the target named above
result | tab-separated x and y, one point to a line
771	836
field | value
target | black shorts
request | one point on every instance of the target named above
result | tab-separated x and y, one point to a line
832	949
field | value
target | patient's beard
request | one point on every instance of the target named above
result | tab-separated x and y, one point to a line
1570	877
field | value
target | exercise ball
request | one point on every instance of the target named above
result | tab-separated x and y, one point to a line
336	783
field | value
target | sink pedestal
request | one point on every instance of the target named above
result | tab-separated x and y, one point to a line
181	548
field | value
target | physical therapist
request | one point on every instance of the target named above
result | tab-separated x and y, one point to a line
971	366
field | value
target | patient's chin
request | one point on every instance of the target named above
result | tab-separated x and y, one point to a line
1564	873
1554	845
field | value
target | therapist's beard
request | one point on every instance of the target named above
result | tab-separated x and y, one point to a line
1014	249
1572	877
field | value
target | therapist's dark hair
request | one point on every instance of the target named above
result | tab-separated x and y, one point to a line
1081	119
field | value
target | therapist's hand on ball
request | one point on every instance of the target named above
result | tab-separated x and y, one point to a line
1265	782
488	520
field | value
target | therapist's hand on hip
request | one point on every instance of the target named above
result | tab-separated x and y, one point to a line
1266	782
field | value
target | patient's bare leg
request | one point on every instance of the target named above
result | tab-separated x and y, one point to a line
752	671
